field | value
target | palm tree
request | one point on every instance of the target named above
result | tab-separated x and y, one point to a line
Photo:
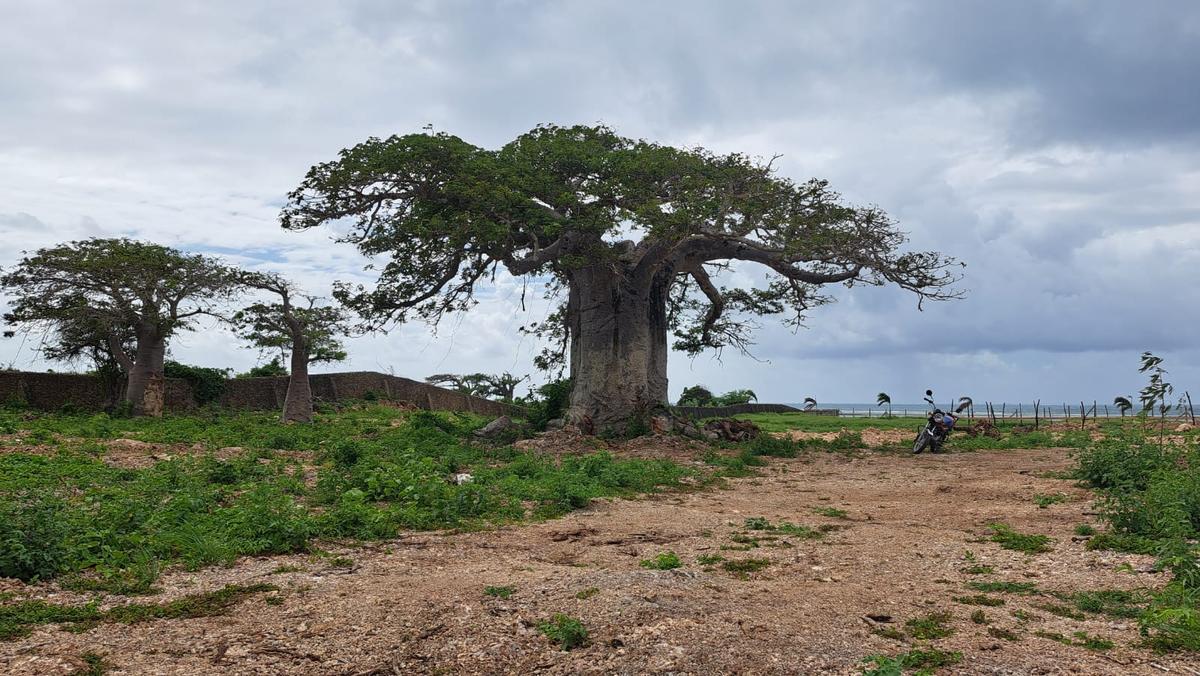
809	403
1123	404
883	399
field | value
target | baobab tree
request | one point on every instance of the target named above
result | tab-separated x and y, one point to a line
116	298
299	329
629	233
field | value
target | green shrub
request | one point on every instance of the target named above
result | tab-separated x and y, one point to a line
566	631
664	561
33	536
931	626
208	384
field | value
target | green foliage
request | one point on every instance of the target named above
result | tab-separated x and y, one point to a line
918	661
1045	500
664	561
709	559
696	395
499	592
566	631
501	386
377	470
271	369
745	566
831	512
208	384
979	617
1172	621
16	619
1085	530
1021	542
33	536
588	593
979	600
549	402
931	626
1004	587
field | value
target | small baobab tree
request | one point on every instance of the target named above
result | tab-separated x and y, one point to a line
882	399
304	332
1123	404
120	299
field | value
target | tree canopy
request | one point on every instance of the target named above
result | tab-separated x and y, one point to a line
445	215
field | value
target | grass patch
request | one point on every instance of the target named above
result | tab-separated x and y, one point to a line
743	567
979	617
1008	538
1061	610
587	593
17	619
502	592
664	561
831	512
783	528
979	600
1024	588
979	569
1085	530
931	626
709	559
568	632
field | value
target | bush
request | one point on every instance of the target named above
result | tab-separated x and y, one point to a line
271	369
566	631
549	403
208	384
32	537
664	561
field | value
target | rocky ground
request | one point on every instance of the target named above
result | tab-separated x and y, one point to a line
912	528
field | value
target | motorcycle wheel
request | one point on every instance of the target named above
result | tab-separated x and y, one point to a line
921	442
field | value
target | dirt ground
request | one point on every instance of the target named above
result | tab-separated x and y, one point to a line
416	605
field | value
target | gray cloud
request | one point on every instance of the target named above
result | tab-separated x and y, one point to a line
1051	146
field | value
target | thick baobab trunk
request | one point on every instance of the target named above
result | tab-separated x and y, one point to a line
147	385
618	350
297	406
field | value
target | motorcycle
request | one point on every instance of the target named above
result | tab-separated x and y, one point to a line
938	426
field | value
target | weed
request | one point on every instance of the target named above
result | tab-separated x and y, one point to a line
1122	542
930	626
566	631
744	567
1061	611
499	592
1085	530
923	661
831	512
1043	500
287	569
275	600
1092	642
1022	615
979	617
1005	634
587	593
1004	587
1112	602
978	569
1021	542
94	665
979	600
16	619
665	561
709	559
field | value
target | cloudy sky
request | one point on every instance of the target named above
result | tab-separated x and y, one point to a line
1053	146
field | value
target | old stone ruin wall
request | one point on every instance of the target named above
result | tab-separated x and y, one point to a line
53	391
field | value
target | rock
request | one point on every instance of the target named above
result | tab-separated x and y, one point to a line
1183	427
463	478
731	429
496	428
661	424
555	424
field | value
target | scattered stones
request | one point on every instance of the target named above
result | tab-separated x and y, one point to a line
731	429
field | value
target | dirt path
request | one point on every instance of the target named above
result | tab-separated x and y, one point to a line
416	605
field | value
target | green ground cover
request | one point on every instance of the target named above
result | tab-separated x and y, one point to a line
363	472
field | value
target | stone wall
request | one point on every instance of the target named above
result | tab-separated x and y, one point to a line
51	391
700	412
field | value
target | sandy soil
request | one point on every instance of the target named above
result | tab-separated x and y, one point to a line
416	605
